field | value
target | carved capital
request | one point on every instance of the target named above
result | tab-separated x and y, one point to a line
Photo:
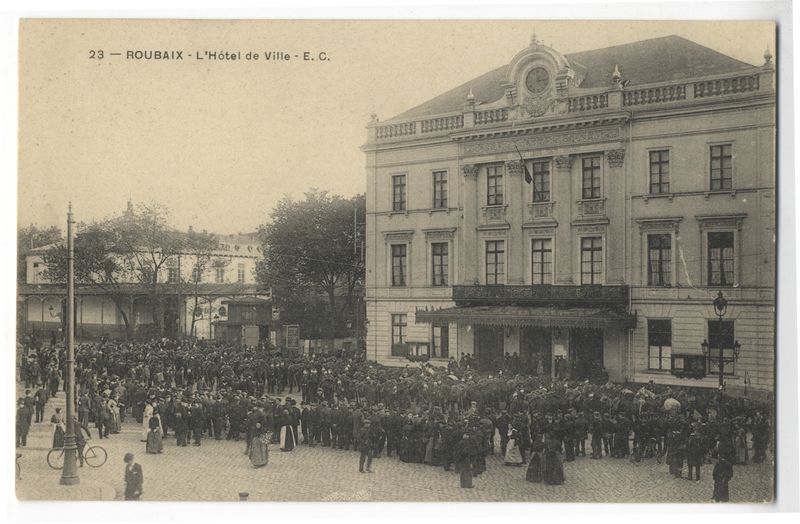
470	170
615	157
563	162
514	167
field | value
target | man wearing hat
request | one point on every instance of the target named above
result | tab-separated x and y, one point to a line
133	478
366	444
23	423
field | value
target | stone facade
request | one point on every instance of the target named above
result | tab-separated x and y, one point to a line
653	183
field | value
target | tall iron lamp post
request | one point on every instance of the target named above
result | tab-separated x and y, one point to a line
69	475
720	308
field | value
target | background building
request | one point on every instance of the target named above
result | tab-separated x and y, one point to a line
581	209
194	302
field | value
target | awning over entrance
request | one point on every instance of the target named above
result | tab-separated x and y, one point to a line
508	316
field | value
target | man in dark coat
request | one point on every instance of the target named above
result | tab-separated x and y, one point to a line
197	422
501	423
134	478
23	423
366	445
694	454
40	399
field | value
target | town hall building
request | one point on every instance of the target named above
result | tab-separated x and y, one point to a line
583	212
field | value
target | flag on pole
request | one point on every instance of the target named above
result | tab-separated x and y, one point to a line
528	177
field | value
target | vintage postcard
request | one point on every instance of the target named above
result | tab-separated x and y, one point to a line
408	260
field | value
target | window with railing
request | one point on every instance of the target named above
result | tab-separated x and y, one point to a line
659	260
439	256
398	265
494	186
591	260
541	261
720	258
591	177
495	262
541	181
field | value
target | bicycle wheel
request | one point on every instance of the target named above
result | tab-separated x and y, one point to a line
55	458
95	456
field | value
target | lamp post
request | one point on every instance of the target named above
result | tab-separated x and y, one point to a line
720	308
69	475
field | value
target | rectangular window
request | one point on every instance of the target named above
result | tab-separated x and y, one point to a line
439	261
240	273
494	186
398	192
720	342
220	275
591	260
399	323
720	259
659	341
172	275
659	260
440	189
398	265
721	167
659	172
440	341
591	177
495	262
541	261
541	181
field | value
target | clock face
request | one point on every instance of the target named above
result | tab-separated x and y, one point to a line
538	80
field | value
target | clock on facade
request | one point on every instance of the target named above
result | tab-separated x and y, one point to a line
538	80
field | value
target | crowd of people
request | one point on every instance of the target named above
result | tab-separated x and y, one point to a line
452	417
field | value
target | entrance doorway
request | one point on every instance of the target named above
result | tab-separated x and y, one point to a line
536	349
489	347
586	352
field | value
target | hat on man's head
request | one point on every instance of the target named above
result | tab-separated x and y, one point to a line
128	457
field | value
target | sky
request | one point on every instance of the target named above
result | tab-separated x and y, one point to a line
220	142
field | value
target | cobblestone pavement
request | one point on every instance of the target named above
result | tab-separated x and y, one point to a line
219	470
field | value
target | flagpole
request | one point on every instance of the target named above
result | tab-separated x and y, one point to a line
69	475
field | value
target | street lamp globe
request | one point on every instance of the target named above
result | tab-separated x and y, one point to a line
704	346
720	305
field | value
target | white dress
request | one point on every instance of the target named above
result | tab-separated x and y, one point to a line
148	414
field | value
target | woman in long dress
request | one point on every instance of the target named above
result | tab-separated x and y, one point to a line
113	407
155	441
288	438
535	471
740	443
513	456
553	467
146	416
259	450
59	427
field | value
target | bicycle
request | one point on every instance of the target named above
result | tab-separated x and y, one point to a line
94	456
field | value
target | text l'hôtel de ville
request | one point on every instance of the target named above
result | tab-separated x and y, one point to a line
276	56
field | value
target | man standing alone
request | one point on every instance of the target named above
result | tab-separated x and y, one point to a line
133	478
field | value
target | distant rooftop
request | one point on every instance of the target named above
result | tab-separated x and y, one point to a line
645	62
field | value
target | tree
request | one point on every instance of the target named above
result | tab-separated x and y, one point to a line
310	249
96	263
134	247
29	238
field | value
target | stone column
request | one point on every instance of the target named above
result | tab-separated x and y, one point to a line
517	197
469	259
561	187
614	192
